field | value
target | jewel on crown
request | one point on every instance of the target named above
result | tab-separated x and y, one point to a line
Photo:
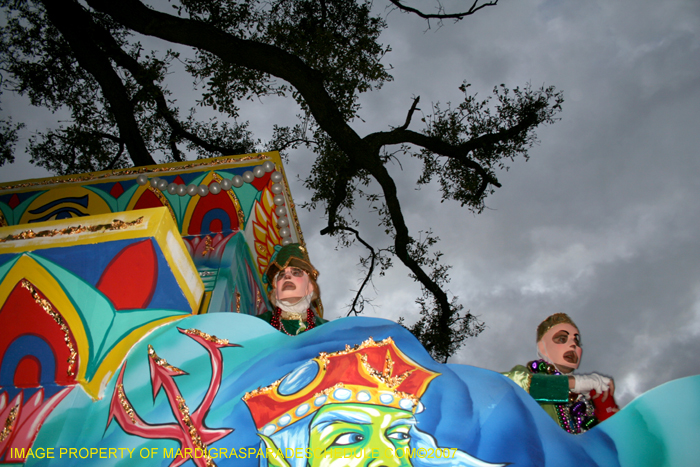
375	373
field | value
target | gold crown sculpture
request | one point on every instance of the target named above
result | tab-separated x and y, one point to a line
349	376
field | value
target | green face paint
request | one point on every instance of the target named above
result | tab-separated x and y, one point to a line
356	434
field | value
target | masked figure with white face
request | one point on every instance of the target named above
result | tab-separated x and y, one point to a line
566	397
293	291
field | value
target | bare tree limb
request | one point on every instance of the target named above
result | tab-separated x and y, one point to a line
373	257
410	114
441	11
292	142
340	192
402	240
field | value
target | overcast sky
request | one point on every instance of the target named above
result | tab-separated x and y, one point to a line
603	222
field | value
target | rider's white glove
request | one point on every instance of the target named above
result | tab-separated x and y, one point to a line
583	384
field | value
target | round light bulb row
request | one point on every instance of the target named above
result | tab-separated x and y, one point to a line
226	184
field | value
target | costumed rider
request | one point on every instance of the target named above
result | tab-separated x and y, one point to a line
576	402
293	291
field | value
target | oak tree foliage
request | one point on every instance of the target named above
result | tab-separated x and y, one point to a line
85	60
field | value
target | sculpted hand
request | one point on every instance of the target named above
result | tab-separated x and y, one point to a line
583	384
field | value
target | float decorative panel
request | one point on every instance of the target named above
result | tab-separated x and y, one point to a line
234	213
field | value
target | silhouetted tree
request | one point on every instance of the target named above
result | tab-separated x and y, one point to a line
84	57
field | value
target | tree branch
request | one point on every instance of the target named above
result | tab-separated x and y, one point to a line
457	152
142	76
307	81
70	19
360	156
293	142
246	53
340	192
410	114
114	139
370	271
177	154
457	16
402	241
117	156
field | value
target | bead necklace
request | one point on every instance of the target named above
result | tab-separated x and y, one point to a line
276	321
575	416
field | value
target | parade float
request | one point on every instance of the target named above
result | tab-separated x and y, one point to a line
129	336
